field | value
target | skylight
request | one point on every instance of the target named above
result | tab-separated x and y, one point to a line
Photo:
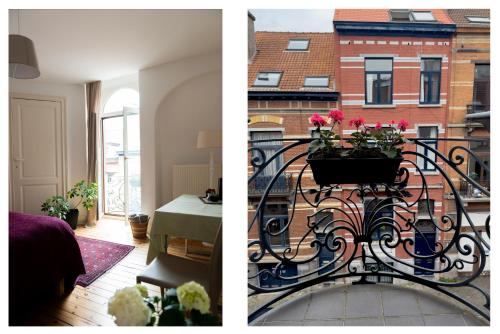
477	19
316	82
268	79
422	17
298	45
400	15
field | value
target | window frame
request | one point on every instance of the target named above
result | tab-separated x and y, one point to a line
271	145
298	39
414	19
478	17
376	100
371	201
268	72
433	141
474	87
427	99
327	77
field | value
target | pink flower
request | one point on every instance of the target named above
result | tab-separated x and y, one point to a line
317	120
357	122
336	115
378	125
403	125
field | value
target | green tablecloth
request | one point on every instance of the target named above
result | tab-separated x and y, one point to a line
186	216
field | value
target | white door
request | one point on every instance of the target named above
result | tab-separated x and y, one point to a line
36	152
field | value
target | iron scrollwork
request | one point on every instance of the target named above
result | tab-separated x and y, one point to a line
370	229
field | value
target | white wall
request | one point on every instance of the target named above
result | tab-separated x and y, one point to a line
165	87
193	106
75	122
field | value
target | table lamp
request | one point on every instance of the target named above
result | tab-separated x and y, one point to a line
208	139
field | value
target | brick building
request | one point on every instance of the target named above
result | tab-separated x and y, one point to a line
380	64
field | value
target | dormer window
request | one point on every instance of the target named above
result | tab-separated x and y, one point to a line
298	45
477	19
267	79
316	82
422	17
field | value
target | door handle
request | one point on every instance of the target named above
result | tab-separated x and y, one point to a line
18	159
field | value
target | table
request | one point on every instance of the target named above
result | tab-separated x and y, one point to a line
186	216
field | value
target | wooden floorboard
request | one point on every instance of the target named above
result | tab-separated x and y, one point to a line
88	306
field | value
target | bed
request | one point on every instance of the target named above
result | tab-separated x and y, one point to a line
44	257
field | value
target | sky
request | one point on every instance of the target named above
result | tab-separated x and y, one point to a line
296	20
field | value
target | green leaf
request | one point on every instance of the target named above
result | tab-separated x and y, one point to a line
172	316
390	153
207	319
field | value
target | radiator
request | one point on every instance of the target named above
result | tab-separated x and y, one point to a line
193	179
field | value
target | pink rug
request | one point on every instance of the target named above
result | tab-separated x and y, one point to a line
99	256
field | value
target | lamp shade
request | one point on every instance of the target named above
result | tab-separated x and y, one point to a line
22	58
209	139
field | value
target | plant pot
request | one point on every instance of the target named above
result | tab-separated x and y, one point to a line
72	218
139	225
355	170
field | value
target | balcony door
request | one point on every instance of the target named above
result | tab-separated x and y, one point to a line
121	174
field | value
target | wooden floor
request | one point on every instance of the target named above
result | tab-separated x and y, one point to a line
88	306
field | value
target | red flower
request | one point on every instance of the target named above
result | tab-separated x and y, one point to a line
317	120
393	122
336	115
403	125
357	122
378	125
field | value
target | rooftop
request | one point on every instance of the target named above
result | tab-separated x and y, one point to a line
273	55
465	17
383	15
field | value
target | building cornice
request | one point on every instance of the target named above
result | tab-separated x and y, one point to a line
293	95
409	29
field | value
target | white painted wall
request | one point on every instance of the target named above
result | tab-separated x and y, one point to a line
167	108
193	106
75	123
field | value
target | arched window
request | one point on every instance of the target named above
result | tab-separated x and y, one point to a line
124	97
121	169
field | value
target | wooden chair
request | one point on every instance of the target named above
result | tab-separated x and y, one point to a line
169	271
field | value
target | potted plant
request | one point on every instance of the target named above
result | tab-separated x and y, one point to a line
56	206
186	305
139	225
374	155
87	192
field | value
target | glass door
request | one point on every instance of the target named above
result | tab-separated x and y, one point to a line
121	165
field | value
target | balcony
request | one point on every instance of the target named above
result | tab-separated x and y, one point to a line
477	108
282	186
469	193
396	253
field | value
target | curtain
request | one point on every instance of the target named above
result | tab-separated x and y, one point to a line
93	102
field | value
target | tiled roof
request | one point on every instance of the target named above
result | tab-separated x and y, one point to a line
382	15
295	65
459	16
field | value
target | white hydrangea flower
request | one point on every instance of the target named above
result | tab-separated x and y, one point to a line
192	295
128	308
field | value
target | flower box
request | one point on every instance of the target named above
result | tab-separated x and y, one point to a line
340	169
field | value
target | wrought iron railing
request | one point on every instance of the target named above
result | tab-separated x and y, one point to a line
369	243
475	108
282	186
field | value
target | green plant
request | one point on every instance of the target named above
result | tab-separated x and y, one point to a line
387	140
56	206
186	305
87	192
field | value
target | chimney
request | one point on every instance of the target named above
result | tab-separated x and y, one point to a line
252	47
